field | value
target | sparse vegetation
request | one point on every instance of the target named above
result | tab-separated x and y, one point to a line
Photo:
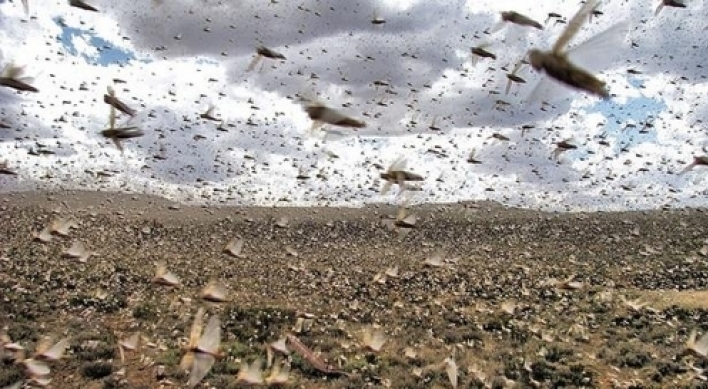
96	370
144	312
556	337
109	304
9	374
632	356
256	325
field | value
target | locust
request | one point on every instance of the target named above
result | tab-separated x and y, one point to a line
701	160
11	77
209	114
376	19
111	99
557	62
117	134
669	3
4	169
313	359
397	174
479	52
320	115
203	348
513	77
562	147
82	5
515	18
264	52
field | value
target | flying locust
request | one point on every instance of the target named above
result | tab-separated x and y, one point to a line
320	115
11	77
593	54
264	52
397	174
117	134
515	18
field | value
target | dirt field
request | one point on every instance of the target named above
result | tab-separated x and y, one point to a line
518	298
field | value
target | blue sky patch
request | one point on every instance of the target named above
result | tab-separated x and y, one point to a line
108	54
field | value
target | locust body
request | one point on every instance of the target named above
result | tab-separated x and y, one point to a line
558	66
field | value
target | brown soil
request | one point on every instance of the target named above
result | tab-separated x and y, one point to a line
585	336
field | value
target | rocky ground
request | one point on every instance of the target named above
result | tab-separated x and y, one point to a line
516	298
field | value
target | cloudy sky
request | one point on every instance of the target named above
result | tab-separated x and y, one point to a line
179	57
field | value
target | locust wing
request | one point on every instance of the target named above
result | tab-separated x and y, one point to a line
574	26
594	55
200	368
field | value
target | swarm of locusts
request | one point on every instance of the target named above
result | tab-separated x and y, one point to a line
202	349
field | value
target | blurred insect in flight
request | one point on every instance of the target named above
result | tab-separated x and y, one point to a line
203	348
82	5
515	18
261	53
397	174
320	115
669	3
117	134
111	99
513	77
11	77
593	54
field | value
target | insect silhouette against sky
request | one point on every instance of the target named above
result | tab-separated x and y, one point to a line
574	67
514	17
321	114
397	174
82	5
264	52
11	77
669	3
117	134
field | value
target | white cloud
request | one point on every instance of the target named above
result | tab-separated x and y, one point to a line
423	47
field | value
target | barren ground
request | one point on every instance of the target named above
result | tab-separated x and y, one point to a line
554	337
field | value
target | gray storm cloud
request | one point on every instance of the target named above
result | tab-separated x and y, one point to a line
334	52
